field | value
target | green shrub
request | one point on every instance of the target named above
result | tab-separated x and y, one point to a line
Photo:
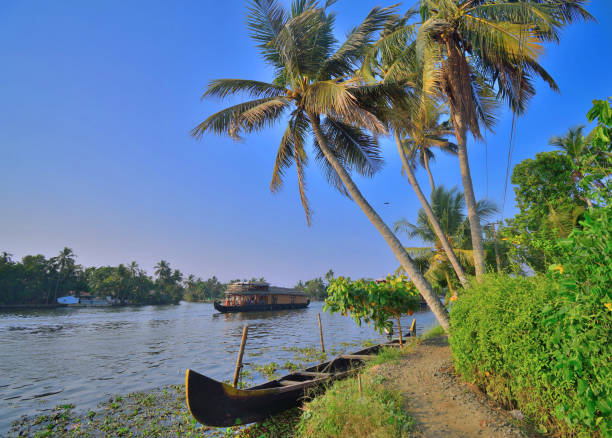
542	344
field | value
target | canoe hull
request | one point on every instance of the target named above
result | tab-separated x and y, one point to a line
217	404
258	307
234	406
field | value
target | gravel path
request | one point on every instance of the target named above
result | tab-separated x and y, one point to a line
440	404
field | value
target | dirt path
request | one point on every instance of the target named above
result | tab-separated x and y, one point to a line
439	403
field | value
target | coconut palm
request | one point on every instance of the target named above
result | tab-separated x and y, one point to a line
163	271
414	117
449	209
315	84
425	132
575	145
470	44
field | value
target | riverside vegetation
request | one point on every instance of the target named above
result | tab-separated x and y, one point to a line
37	280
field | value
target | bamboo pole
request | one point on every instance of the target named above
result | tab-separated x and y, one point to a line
413	327
245	330
321	333
399	329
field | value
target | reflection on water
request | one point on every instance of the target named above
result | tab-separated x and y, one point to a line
82	356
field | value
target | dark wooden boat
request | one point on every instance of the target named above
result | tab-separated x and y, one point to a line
217	404
252	296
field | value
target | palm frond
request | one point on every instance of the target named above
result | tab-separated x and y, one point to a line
344	60
229	121
254	89
265	19
360	151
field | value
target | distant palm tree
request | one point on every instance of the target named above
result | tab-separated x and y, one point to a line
311	83
575	145
470	45
64	263
163	271
449	208
426	132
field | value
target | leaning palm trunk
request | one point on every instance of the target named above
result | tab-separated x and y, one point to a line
470	199
430	215
431	180
396	246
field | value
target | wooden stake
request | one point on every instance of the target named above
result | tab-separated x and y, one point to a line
245	330
359	381
399	329
321	333
413	327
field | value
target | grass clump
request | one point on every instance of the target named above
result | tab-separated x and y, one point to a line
345	412
433	332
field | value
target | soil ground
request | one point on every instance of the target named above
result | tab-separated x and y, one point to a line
441	405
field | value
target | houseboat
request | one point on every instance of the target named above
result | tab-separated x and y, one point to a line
258	296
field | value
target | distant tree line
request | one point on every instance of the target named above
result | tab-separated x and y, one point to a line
38	280
316	288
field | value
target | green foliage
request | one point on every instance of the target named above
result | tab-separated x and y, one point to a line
345	412
541	345
550	203
37	280
200	290
316	288
369	301
596	164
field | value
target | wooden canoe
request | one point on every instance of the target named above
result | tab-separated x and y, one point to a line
217	404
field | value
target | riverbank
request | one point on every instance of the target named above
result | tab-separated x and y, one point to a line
10	307
419	382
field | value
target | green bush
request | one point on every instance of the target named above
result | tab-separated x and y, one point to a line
542	344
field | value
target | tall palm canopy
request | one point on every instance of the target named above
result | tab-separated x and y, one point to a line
316	88
469	46
573	143
312	76
425	132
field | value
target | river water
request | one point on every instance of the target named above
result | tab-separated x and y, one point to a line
85	355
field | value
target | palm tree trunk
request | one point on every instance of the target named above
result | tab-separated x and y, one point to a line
470	199
430	215
431	180
396	246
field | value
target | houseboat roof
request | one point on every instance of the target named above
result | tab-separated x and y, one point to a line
259	288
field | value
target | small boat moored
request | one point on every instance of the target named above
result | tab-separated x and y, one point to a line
217	404
260	296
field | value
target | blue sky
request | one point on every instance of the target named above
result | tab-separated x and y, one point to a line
96	103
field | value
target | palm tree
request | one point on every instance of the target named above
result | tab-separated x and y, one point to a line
311	83
449	209
426	132
471	43
64	263
163	271
575	145
414	117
